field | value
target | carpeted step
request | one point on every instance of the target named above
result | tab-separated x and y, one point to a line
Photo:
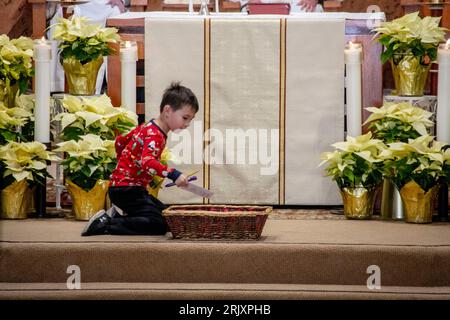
211	291
321	252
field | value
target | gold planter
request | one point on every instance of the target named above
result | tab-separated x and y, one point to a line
14	202
410	75
359	202
87	203
8	95
155	185
418	204
81	79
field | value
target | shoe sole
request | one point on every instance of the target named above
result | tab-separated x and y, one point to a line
92	219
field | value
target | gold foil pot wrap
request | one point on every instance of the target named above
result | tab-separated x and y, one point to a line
87	203
359	202
155	186
409	75
8	95
15	200
81	79
418	204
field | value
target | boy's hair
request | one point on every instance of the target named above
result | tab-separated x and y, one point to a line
176	96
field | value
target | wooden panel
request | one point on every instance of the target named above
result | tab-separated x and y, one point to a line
140	108
113	75
39	19
16	18
391	8
140	81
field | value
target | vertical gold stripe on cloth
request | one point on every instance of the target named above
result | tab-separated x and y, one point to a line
282	172
207	118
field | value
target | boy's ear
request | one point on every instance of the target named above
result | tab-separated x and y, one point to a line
166	108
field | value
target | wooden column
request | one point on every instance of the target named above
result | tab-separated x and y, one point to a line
38	9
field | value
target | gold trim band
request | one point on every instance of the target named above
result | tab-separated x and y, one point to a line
282	173
207	115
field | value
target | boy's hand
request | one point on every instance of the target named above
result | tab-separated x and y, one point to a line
182	181
308	5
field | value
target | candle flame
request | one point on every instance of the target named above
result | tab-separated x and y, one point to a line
354	45
127	44
447	44
43	39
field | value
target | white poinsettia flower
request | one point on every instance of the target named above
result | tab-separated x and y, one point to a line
423	145
88	117
66	119
430	32
22	159
334	157
447	156
72	103
411	27
418	118
109	145
79	27
23	43
96	111
361	143
10	117
109	35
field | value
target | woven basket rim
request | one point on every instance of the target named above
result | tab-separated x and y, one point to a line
171	211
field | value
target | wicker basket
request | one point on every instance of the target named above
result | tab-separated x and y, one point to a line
216	221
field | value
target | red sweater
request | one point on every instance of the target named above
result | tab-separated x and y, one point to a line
138	157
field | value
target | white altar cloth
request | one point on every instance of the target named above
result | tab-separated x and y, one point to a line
261	74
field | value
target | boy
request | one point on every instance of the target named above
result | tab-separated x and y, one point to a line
138	156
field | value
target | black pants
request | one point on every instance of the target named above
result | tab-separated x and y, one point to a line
144	212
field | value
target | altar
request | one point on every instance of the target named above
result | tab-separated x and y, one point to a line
271	91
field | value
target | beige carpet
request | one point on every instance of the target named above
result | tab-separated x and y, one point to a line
298	257
283	227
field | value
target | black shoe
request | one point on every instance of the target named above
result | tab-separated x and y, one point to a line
97	224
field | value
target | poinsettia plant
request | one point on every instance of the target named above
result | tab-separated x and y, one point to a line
26	102
411	35
357	162
395	122
420	160
16	67
88	160
94	115
24	160
10	119
82	40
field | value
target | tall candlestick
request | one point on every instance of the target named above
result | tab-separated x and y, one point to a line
42	58
443	108
353	57
128	58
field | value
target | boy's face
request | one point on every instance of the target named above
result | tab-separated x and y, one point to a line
181	118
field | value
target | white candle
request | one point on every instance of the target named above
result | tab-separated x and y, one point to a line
42	58
353	57
128	58
443	108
